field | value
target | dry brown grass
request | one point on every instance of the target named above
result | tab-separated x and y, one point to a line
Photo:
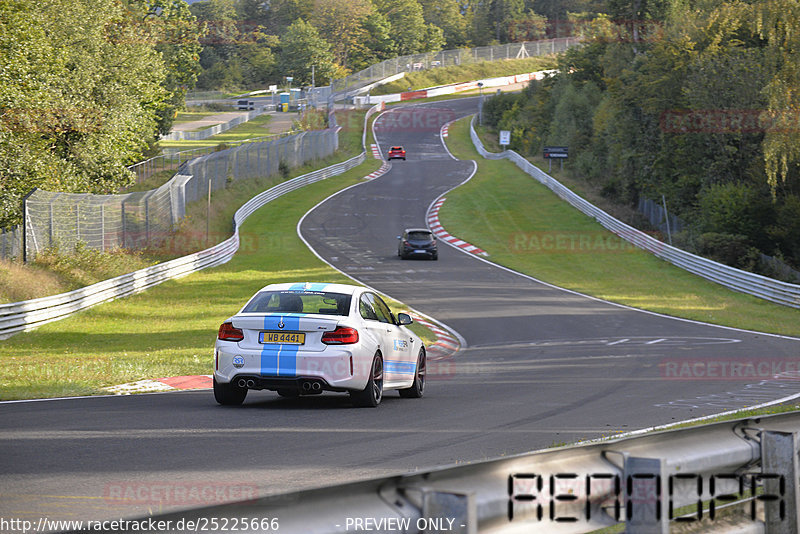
19	282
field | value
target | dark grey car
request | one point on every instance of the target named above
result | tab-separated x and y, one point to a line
417	243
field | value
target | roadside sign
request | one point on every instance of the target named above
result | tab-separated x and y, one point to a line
505	137
556	152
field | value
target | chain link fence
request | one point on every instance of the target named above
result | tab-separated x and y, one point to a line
10	243
658	216
137	220
174	160
447	58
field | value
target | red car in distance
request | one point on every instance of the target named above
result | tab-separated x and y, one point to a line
397	152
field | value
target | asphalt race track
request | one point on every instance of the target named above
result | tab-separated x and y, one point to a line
540	366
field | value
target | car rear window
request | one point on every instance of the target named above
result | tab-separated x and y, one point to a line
396	148
299	302
419	236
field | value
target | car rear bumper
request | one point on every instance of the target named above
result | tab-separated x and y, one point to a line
421	253
303	385
336	369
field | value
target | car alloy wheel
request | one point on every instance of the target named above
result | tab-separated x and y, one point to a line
371	395
418	388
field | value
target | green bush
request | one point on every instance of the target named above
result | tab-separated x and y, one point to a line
738	209
730	249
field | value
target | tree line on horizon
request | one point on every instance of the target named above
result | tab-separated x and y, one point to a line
254	43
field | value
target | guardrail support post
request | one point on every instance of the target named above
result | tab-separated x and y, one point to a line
645	496
452	512
779	456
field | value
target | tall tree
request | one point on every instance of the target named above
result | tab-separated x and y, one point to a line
376	45
281	13
341	25
446	14
80	93
410	31
175	33
778	23
302	48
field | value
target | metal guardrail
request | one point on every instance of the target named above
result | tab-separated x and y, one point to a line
21	316
177	135
645	481
730	277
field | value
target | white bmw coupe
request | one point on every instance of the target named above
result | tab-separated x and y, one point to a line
306	338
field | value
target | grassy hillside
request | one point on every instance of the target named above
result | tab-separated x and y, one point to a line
465	73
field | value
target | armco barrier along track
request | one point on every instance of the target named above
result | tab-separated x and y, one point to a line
736	279
643	480
21	316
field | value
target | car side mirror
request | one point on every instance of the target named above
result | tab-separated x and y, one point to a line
404	319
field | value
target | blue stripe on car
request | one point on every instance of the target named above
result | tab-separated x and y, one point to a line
278	359
404	368
308	287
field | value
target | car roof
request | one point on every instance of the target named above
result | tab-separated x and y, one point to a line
345	289
417	230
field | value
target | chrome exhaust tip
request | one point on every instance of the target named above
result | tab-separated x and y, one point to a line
251	383
242	383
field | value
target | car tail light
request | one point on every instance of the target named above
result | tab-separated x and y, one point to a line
343	335
228	333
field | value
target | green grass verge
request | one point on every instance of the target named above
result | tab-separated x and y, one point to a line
169	330
526	227
465	73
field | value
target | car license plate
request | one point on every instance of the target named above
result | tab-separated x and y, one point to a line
420	251
285	338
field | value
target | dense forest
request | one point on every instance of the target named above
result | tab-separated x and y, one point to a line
693	100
